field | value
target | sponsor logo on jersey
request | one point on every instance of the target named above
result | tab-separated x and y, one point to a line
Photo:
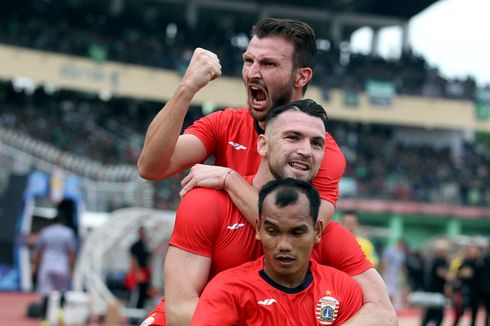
237	146
267	302
235	226
326	310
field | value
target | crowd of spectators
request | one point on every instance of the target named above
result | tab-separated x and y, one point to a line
157	34
112	132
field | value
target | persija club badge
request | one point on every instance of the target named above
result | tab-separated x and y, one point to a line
327	310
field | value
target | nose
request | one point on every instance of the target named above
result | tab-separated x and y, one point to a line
284	244
304	148
252	70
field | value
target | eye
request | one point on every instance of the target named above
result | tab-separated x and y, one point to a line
247	61
298	233
317	144
292	137
271	231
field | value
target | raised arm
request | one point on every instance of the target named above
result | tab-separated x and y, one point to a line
164	152
186	275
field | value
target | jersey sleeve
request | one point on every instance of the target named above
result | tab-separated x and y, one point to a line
217	304
338	248
207	130
196	222
331	171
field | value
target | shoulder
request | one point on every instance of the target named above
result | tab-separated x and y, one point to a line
332	147
202	195
204	205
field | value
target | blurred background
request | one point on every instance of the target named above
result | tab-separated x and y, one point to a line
406	94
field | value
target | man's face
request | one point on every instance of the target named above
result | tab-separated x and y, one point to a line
268	74
288	235
293	145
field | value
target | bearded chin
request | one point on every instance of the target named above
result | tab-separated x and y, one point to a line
284	97
276	173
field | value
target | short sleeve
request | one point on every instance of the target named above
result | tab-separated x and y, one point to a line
196	222
338	248
207	130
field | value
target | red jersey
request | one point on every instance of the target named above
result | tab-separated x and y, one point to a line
208	224
231	136
245	295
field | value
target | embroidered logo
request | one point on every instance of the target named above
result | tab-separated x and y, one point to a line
235	226
267	302
237	146
326	310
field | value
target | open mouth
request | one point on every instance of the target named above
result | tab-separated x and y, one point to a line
257	95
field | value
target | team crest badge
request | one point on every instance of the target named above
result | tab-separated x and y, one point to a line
326	310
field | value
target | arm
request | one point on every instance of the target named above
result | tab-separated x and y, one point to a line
164	152
377	308
244	196
185	275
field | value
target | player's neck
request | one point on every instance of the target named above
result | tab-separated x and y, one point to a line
263	175
289	281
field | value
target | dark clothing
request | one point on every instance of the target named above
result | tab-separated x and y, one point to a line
139	250
468	291
435	283
485	287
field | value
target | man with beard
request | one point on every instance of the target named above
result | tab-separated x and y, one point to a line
211	234
277	68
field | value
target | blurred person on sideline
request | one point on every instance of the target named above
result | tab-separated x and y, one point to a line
437	278
54	259
211	235
393	266
350	219
465	285
485	283
285	286
138	279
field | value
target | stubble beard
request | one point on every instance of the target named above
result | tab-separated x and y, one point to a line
285	96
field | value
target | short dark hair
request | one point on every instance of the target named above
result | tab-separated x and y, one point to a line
287	193
307	106
299	33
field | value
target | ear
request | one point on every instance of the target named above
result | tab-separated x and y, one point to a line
262	147
257	229
303	76
318	231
